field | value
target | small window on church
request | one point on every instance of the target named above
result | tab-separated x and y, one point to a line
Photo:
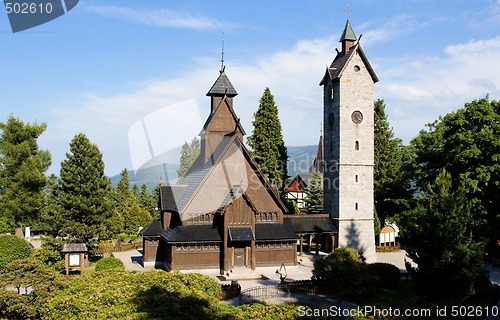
357	68
356	206
331	94
356	145
356	178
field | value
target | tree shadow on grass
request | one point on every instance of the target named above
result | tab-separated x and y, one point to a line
158	303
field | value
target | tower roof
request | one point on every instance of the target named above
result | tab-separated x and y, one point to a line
348	33
222	86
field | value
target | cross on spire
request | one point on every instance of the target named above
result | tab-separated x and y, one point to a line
348	10
222	53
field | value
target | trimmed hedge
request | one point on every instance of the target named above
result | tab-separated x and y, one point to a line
385	275
110	263
13	248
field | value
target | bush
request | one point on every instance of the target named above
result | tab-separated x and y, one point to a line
107	264
13	248
343	272
385	275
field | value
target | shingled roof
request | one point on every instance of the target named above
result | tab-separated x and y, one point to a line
170	195
314	223
222	86
348	33
193	233
273	231
154	229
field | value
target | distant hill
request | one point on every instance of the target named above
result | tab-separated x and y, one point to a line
300	159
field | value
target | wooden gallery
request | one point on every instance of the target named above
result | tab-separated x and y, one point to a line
224	214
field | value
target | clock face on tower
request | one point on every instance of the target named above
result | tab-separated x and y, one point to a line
357	117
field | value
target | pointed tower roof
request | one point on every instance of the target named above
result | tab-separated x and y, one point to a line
319	162
222	86
348	33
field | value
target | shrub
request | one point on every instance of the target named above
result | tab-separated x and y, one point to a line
385	275
343	272
13	248
110	263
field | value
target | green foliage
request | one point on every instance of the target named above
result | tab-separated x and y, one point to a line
314	192
392	171
439	237
385	275
267	142
31	276
13	248
149	201
467	144
109	264
343	272
292	206
50	254
85	192
22	169
376	222
134	216
189	153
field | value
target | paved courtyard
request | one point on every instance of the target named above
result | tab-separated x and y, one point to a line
264	276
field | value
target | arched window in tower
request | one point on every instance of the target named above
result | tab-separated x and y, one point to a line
356	206
356	145
356	178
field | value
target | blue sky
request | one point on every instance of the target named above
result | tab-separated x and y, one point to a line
105	65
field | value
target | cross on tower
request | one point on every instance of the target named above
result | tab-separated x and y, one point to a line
348	10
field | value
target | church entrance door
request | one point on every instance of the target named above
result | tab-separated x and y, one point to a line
239	257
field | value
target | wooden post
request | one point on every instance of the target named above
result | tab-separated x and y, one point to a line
301	243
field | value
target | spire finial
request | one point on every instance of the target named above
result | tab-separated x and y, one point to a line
348	10
222	53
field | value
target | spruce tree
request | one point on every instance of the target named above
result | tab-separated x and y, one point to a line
267	143
314	192
22	172
189	153
85	196
134	216
392	176
122	189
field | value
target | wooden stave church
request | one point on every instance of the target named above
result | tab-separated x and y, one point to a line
210	222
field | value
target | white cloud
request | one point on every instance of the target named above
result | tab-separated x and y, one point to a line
159	17
417	89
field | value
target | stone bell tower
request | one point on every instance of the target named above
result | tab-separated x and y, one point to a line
348	99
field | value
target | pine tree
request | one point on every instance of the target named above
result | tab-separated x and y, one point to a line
314	192
267	143
392	188
134	216
122	189
439	237
85	196
149	201
189	153
22	172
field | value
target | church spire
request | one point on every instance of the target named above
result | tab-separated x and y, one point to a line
348	37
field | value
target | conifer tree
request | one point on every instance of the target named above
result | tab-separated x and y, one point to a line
267	143
439	237
22	172
134	216
85	196
122	189
189	153
392	189
314	192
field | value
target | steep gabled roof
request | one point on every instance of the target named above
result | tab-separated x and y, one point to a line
342	60
222	86
169	195
194	179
